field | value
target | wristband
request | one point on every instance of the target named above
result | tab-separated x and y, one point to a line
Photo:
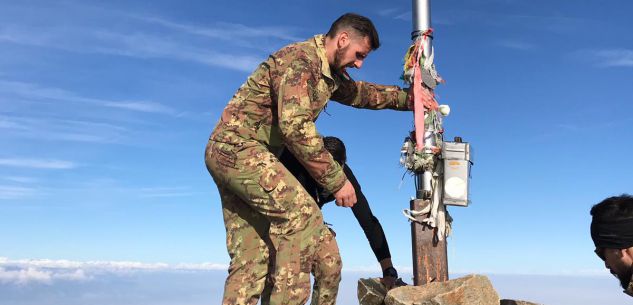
391	272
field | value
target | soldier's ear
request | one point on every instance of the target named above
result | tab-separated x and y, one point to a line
343	39
626	253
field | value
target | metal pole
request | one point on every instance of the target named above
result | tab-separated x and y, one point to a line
422	21
429	254
430	262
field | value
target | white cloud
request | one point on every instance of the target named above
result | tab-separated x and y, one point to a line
388	11
166	192
65	130
25	276
15	192
77	275
610	57
550	23
94	120
35	91
148	46
226	31
516	45
37	163
47	271
28	275
407	16
140	106
20	179
136	44
112	266
395	13
8	124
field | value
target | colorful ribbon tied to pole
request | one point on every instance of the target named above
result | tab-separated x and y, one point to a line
422	97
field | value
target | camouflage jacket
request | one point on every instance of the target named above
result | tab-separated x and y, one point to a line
281	99
629	290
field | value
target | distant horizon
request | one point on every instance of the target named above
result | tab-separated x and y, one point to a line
131	265
101	283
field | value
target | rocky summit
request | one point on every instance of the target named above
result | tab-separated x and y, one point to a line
467	290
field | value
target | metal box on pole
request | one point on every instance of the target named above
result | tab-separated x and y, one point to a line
457	164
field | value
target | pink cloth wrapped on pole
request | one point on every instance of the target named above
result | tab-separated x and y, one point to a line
423	100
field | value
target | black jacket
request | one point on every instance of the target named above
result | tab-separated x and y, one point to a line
368	222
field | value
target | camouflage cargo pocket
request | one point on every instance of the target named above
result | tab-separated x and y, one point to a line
224	154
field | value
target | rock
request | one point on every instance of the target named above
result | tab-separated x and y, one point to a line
515	302
468	290
371	292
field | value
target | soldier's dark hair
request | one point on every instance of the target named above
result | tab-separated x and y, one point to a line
360	24
613	209
336	148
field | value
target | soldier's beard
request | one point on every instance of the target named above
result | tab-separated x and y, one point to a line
625	277
338	58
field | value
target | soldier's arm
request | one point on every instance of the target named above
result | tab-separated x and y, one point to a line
372	96
297	126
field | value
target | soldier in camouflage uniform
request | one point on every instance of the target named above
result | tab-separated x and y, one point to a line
612	234
273	226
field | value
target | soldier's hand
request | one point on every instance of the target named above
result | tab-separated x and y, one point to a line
346	196
389	282
389	275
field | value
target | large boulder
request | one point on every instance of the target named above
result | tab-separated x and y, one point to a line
468	290
371	292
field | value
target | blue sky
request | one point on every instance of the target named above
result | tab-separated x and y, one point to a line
105	109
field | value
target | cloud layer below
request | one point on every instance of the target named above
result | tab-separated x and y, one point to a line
25	271
65	282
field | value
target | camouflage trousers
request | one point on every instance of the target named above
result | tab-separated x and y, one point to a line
274	229
326	269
